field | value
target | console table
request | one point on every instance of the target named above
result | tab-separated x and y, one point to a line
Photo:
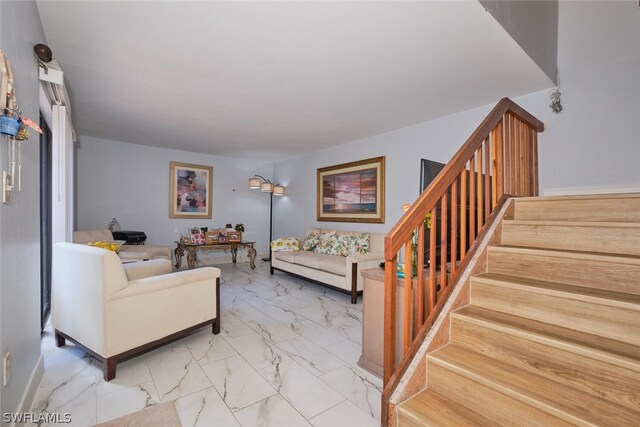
192	251
373	317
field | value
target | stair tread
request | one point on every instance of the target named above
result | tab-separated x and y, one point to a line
580	197
596	256
591	224
433	409
597	347
599	296
549	396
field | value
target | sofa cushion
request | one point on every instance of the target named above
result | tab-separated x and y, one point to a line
359	244
342	244
330	263
286	256
312	239
285	244
334	264
327	240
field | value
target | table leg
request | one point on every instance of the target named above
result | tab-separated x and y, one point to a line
252	257
191	258
234	255
178	252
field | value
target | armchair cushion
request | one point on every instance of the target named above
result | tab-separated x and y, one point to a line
140	270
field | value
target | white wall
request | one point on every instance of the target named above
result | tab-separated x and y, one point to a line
533	25
594	142
20	29
437	140
131	182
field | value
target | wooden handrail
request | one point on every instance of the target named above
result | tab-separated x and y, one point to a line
499	159
403	229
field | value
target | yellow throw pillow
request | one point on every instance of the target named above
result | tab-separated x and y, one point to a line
285	244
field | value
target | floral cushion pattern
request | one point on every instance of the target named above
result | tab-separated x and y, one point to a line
359	244
288	244
327	240
342	244
312	239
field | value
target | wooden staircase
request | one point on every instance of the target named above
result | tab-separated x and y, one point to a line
552	332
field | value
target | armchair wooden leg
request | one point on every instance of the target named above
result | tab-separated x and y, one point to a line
354	283
215	326
109	368
60	341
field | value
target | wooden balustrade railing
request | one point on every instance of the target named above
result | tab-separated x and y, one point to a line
499	159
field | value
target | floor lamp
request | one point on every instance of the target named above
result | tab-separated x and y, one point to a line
258	182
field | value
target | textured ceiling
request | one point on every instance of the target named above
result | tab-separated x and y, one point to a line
274	80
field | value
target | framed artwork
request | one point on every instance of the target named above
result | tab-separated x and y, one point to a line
211	236
234	236
352	192
190	190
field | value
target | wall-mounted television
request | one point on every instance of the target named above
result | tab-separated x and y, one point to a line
429	169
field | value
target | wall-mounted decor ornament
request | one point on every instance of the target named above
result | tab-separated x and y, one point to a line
555	105
14	128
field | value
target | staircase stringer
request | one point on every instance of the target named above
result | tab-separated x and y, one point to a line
414	379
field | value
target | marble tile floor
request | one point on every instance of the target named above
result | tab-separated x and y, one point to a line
286	356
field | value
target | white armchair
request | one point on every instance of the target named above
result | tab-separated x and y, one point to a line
127	252
117	311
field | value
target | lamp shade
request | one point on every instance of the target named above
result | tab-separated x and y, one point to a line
278	190
254	183
267	187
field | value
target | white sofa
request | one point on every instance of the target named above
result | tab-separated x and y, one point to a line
117	311
333	271
128	253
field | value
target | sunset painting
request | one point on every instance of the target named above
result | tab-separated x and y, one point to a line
352	192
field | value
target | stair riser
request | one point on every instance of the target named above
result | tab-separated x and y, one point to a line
611	322
611	209
612	240
498	407
598	378
589	273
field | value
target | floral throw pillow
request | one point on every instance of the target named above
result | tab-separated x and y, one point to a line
312	239
285	244
326	242
341	245
359	244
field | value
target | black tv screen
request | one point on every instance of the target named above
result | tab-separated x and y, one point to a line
428	171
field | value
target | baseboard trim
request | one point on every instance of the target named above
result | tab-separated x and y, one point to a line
32	386
581	191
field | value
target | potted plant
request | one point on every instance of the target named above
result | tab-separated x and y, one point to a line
414	241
